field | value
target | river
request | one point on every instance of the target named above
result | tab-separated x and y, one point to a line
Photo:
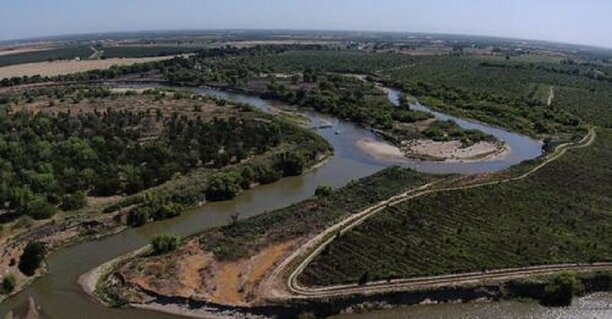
59	295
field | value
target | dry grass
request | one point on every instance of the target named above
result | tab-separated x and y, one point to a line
69	66
11	51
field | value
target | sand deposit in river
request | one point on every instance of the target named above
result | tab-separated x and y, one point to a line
429	149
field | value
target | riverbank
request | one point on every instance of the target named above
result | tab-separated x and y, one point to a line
233	267
56	234
102	217
69	231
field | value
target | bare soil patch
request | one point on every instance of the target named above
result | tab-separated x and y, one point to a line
69	66
194	273
432	150
11	51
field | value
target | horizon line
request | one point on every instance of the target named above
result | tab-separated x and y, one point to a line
66	35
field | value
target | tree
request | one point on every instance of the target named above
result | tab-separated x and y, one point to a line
165	243
8	284
365	277
73	201
323	191
138	216
167	210
32	257
223	186
290	163
40	208
561	289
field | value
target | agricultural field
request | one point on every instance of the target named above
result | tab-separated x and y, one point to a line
133	51
534	221
84	52
60	53
591	106
65	67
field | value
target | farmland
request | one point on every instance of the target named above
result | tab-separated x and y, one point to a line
64	67
60	53
71	52
538	220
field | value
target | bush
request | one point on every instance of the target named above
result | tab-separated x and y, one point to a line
8	284
365	277
165	243
223	186
289	163
267	175
40	208
33	255
168	210
73	201
138	217
323	191
561	289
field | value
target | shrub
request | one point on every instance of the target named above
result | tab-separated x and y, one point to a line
40	208
323	191
364	278
138	216
8	284
164	243
289	163
267	175
561	289
168	210
223	186
73	201
33	255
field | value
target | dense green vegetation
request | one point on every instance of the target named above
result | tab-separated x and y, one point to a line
592	106
537	220
8	284
449	131
32	257
561	289
507	93
164	243
347	97
144	51
247	236
54	160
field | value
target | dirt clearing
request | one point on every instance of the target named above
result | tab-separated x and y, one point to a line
69	66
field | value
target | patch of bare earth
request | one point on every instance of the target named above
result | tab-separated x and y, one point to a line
432	150
12	51
194	273
455	150
70	66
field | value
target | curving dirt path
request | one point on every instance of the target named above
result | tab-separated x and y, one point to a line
277	288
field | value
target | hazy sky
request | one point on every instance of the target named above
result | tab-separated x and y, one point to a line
575	21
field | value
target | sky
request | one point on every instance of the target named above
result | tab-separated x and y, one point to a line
571	21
